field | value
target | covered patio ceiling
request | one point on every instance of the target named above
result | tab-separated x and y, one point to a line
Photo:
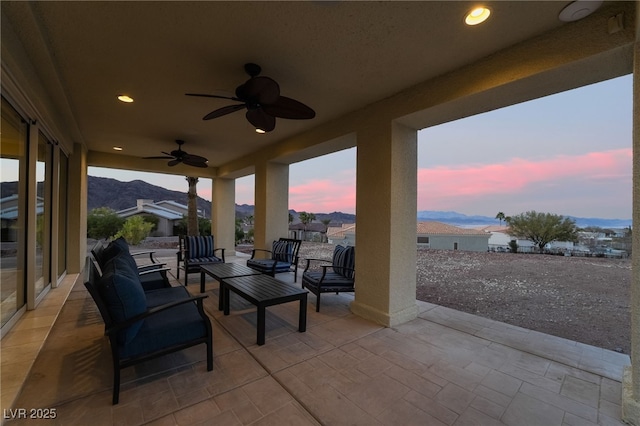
343	59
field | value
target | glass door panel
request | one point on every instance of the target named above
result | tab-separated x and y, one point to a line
13	142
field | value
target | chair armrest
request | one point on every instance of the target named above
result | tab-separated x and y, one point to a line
155	310
253	252
149	252
151	267
311	259
153	270
222	253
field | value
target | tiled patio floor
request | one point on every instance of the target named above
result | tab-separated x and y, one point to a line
443	368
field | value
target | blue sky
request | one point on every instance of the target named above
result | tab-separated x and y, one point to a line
569	154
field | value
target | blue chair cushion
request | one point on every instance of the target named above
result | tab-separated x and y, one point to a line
115	247
344	257
282	251
123	295
266	265
166	295
204	260
181	324
199	246
153	281
331	279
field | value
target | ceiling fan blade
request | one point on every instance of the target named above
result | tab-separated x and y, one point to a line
194	158
173	162
203	95
161	157
263	90
261	120
194	163
223	111
289	108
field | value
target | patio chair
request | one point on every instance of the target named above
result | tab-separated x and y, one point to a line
195	251
152	275
145	325
101	252
336	275
284	258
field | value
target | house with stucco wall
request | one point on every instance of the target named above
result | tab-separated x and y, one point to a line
167	212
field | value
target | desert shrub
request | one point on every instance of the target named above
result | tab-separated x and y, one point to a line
134	230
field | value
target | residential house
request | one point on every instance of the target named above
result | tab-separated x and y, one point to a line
167	212
344	234
438	235
313	231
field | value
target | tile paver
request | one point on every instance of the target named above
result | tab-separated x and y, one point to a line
443	368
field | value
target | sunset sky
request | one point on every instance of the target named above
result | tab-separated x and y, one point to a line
567	154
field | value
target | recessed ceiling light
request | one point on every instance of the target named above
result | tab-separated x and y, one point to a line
117	148
477	16
125	98
260	131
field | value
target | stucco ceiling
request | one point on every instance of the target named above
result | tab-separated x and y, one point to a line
335	56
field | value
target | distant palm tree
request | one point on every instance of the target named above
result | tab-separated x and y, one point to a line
500	216
192	207
306	218
326	223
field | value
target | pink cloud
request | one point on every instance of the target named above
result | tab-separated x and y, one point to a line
440	185
323	196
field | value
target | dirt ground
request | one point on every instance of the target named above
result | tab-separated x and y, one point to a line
582	299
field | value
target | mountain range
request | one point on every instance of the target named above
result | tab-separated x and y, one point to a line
117	195
462	220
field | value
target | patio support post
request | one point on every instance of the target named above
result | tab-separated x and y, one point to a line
386	209
223	213
77	225
271	214
631	379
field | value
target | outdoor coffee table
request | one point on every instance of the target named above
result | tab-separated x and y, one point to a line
219	271
262	291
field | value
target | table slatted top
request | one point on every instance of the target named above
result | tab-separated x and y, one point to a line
264	288
225	270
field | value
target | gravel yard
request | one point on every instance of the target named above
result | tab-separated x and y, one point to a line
582	299
578	298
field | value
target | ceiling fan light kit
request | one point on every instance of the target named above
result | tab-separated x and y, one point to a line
261	97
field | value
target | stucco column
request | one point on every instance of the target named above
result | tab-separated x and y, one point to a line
77	229
386	209
271	215
631	385
223	214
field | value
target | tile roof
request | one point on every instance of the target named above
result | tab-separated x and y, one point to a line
438	228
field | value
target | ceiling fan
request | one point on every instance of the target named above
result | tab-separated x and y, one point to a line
179	156
260	95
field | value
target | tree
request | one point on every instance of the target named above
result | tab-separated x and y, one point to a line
500	216
134	230
306	218
181	226
103	222
543	228
192	207
326	223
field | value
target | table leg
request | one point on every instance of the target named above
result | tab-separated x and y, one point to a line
302	319
202	281
224	291
220	296
261	324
